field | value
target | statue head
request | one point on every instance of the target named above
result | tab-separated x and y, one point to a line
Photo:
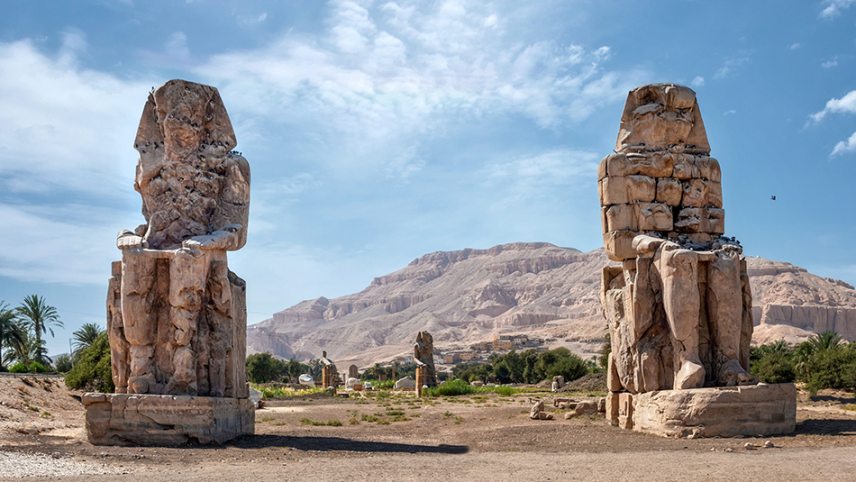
183	118
659	116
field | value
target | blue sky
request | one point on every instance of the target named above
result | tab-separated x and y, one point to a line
379	131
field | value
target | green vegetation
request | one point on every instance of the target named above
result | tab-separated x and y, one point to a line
824	361
32	367
528	366
62	362
279	392
40	318
389	374
92	369
264	368
321	423
85	336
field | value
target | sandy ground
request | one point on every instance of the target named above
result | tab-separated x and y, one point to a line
401	438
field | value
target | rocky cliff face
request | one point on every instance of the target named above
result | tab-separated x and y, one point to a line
542	290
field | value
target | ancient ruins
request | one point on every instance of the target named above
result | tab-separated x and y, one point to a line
176	315
679	307
423	355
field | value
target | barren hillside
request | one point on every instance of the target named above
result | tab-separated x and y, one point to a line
538	289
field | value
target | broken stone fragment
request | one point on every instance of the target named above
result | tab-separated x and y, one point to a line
669	191
654	217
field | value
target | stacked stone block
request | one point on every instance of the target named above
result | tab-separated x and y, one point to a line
676	195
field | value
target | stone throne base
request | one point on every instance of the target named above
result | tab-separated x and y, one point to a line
165	420
708	412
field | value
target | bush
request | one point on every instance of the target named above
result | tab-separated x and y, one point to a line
774	367
264	368
451	389
92	370
32	367
62	363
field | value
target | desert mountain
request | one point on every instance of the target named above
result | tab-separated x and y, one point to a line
538	289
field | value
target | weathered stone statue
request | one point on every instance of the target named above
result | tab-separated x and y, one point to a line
423	355
176	314
679	306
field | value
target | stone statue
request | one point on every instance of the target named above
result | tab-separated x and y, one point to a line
176	314
423	355
678	307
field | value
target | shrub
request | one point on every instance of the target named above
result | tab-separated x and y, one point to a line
773	366
92	370
62	363
451	389
32	367
264	368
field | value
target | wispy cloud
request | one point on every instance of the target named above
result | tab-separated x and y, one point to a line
828	64
833	8
730	66
395	75
794	46
66	127
845	146
697	81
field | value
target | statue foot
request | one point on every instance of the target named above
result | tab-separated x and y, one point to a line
691	375
732	373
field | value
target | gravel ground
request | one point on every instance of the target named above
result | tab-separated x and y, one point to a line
21	465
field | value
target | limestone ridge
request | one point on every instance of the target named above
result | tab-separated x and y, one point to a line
463	297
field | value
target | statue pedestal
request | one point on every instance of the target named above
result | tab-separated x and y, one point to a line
717	412
165	420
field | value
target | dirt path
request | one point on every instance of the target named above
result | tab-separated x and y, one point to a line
472	438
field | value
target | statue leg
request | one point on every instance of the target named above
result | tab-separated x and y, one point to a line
725	307
138	276
221	327
187	274
679	274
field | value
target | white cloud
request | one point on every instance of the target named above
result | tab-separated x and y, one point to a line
730	66
248	21
697	81
729	112
794	46
59	244
537	175
66	127
828	64
397	74
844	105
845	146
833	8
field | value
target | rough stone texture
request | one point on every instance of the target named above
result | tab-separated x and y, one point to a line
717	412
423	354
156	420
679	308
176	315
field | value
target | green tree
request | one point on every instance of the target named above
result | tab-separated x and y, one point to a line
25	349
41	318
264	368
92	369
85	336
10	330
62	362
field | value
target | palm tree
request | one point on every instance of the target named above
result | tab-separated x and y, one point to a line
828	340
26	349
9	332
85	336
41	318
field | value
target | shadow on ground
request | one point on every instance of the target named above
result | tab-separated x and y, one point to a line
832	426
326	444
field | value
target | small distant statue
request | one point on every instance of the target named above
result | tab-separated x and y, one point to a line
423	354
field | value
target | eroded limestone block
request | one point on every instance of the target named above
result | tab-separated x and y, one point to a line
157	420
717	412
650	165
627	189
621	217
654	217
669	191
619	245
